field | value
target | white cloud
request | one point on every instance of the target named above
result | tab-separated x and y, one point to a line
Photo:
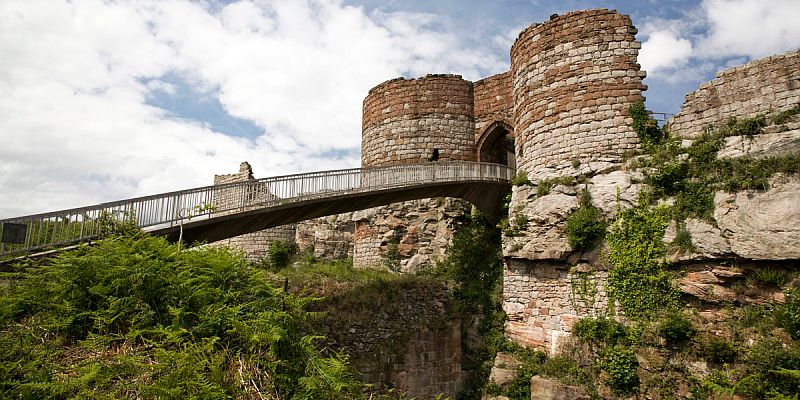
664	50
708	37
76	127
753	28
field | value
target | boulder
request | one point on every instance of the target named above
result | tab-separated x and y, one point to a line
762	225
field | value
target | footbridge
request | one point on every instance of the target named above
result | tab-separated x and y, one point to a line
218	212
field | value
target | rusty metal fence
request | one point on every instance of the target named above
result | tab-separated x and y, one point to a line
22	235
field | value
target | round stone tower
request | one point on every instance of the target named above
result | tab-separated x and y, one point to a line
409	121
574	78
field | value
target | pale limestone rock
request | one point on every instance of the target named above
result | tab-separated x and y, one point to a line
504	368
604	189
544	237
761	146
762	225
551	389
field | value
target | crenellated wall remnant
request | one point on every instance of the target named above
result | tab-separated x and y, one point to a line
766	86
255	245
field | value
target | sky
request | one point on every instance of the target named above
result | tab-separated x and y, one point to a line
105	100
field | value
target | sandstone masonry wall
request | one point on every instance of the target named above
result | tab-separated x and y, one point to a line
574	78
404	120
327	237
405	336
493	102
768	85
418	231
543	300
255	245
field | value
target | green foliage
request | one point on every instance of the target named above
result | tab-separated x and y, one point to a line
603	331
474	262
719	351
391	259
771	370
514	226
543	189
788	315
280	253
645	126
639	278
565	369
576	162
620	364
683	241
783	117
585	226
124	223
676	328
583	289
743	127
134	317
692	175
520	179
770	276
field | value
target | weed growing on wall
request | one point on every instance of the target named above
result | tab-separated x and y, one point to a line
583	291
638	279
585	226
620	363
520	179
692	175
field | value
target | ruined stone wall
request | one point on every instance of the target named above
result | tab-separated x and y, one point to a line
574	78
543	300
493	102
406	237
255	245
404	120
327	237
765	86
403	334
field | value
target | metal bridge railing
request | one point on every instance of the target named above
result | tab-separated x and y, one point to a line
22	235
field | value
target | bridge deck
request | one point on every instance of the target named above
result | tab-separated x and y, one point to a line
217	212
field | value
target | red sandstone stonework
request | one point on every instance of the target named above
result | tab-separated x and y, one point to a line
574	78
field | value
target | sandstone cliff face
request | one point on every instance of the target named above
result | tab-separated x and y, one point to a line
747	230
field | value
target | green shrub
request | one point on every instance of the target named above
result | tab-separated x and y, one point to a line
520	179
638	279
134	317
645	126
719	351
280	253
543	189
788	314
600	330
770	276
585	226
620	364
392	257
676	328
783	117
771	369
683	241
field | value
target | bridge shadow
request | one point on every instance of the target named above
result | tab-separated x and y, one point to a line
487	196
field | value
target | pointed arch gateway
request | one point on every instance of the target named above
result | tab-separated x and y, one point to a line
496	144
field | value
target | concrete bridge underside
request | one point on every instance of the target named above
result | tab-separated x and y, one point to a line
486	196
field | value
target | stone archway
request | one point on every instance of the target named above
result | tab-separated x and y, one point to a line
496	145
